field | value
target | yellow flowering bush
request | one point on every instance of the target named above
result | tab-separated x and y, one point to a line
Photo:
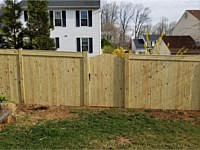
182	51
120	52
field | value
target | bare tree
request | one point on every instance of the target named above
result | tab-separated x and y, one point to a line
126	14
109	12
141	19
164	26
171	26
109	17
161	26
118	20
147	28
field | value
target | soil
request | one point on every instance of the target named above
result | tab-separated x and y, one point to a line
31	114
173	114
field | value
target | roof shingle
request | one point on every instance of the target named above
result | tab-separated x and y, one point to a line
69	3
178	42
195	13
152	37
139	43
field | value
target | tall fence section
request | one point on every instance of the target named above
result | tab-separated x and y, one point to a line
162	82
48	78
73	79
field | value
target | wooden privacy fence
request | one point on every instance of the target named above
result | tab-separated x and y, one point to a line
73	79
43	77
106	85
162	82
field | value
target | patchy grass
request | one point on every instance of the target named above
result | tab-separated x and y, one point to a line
108	128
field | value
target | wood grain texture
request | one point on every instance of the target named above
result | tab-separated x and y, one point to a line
73	79
106	81
164	82
47	78
9	76
53	81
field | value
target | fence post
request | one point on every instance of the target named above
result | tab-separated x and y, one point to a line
126	81
85	79
21	76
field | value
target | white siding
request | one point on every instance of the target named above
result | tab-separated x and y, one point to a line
163	49
67	35
133	46
188	25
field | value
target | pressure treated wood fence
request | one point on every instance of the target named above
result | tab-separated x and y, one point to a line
73	79
48	78
162	82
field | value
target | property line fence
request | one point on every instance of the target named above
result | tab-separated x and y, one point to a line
74	79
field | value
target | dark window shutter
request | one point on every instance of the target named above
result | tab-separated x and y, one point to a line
64	18
90	45
90	17
77	18
78	42
51	18
57	42
25	16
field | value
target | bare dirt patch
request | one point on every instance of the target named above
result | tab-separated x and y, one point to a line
123	141
31	114
26	115
173	114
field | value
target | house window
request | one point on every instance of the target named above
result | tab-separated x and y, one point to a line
152	43
85	44
25	16
51	19
84	18
57	42
58	18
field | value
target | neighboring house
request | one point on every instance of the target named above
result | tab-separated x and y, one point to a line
76	24
176	43
189	24
152	39
138	44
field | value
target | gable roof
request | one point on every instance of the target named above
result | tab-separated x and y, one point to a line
178	42
195	13
152	37
69	3
139	43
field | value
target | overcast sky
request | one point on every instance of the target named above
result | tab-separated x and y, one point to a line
172	9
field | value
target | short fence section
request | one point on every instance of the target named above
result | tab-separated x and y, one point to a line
73	79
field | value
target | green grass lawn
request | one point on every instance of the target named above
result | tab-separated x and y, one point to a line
109	128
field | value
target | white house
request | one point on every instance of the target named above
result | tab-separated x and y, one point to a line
76	24
138	44
189	24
